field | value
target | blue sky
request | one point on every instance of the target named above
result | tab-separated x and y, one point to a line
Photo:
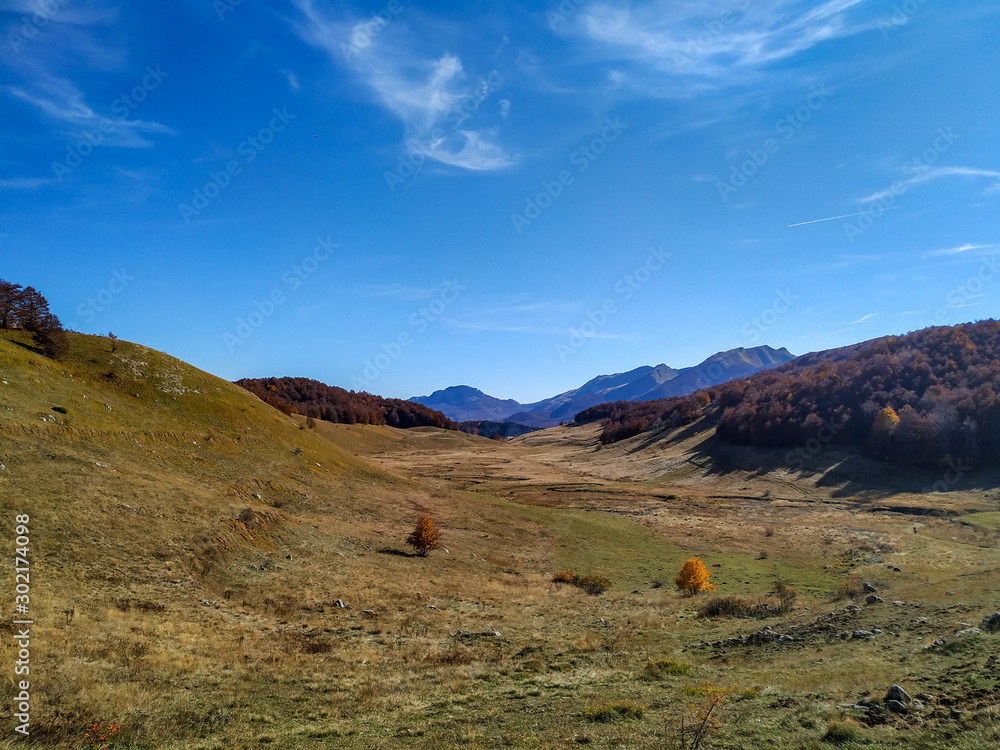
403	196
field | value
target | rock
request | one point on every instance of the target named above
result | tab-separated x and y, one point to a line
866	635
938	644
288	557
869	589
898	603
637	591
968	632
368	612
872	599
896	570
846	634
256	496
991	624
955	713
896	707
852	608
877	631
431	606
339	603
896	693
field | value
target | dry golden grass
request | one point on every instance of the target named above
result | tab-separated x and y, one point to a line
170	598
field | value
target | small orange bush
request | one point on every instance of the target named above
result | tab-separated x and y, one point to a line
693	577
425	537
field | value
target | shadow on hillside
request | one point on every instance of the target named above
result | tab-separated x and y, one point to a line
844	473
31	347
394	551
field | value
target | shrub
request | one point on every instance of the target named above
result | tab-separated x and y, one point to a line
849	589
614	711
735	606
840	732
786	597
593	585
693	577
665	667
425	537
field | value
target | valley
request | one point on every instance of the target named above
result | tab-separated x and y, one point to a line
210	573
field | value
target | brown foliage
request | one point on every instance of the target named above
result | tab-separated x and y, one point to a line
328	402
425	536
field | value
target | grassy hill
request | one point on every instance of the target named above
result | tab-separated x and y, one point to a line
190	544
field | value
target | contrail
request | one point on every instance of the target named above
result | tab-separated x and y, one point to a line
845	216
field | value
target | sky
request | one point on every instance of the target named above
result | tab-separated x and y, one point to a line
399	196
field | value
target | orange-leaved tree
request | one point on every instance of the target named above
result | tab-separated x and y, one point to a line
425	537
693	577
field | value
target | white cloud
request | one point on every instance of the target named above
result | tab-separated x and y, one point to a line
931	174
713	43
953	250
431	96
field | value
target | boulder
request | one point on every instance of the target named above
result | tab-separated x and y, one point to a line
872	599
991	623
896	693
869	589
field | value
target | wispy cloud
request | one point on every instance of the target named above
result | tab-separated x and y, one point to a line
431	95
952	250
399	291
718	45
23	183
935	173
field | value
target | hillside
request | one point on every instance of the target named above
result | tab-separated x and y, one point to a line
317	400
930	398
207	572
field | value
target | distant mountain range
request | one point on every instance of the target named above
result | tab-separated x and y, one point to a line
464	403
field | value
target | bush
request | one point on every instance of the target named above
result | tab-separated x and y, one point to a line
665	667
693	577
735	606
840	732
849	589
425	537
593	585
614	711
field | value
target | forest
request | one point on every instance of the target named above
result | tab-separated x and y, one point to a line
24	308
927	398
320	401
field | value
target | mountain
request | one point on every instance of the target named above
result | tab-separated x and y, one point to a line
930	398
641	384
465	403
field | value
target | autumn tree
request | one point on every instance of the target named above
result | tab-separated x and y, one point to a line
425	537
693	577
882	431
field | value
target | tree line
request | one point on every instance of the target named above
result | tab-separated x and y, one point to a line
332	404
24	308
927	398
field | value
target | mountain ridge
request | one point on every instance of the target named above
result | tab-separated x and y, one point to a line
644	383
